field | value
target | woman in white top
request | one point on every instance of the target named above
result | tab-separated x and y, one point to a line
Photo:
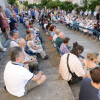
75	65
35	48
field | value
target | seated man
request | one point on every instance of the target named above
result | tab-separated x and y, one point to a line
59	39
32	62
19	80
90	87
14	41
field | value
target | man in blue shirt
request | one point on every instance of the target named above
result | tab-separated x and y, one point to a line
90	89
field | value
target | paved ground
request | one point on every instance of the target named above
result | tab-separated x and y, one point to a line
53	89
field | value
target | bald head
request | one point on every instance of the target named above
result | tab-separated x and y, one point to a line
57	31
22	42
61	35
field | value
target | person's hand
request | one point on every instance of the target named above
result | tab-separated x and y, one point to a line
84	61
41	72
33	59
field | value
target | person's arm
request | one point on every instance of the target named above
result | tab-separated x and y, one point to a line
38	76
32	46
3	17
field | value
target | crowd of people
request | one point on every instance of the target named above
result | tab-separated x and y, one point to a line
22	72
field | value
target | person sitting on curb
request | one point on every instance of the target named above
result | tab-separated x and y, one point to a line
18	80
36	48
59	39
90	88
14	40
31	61
64	46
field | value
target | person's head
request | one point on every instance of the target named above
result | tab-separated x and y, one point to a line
30	37
28	31
77	49
61	35
66	40
16	54
15	35
93	57
95	75
57	31
21	42
1	9
9	6
51	28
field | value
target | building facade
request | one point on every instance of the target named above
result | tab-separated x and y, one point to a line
3	3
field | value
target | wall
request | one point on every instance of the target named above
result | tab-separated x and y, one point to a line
2	3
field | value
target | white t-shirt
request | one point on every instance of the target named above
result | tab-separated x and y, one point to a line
15	78
74	64
13	43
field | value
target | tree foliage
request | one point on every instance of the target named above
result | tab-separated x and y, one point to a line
12	2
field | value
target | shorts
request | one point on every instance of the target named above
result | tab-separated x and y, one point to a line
30	85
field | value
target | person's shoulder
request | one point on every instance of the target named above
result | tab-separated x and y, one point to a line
86	80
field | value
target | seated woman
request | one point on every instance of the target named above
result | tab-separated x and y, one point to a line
71	67
35	48
92	60
52	30
64	45
4	20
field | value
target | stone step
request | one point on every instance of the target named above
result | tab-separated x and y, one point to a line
55	90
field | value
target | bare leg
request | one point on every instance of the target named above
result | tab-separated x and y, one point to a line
7	32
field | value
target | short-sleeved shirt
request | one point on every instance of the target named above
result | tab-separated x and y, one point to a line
59	41
13	43
8	13
15	78
88	91
74	64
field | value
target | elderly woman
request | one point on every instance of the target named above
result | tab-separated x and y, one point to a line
35	48
4	21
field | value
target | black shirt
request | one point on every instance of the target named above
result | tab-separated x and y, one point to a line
88	91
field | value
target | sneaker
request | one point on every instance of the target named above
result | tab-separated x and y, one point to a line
46	57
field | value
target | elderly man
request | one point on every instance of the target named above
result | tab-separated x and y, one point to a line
32	62
56	35
19	80
10	15
14	41
59	39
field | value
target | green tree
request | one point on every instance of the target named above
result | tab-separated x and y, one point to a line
12	2
25	3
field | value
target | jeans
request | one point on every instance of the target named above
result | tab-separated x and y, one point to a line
13	21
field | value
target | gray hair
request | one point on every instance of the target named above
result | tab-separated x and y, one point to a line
15	53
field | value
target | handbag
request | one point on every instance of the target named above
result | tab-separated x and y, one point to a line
75	78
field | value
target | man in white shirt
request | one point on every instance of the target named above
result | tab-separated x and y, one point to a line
14	41
18	80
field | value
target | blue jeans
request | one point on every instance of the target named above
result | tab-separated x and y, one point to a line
13	21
